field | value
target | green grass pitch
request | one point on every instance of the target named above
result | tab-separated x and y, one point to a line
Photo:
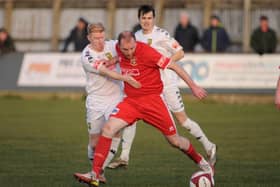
43	142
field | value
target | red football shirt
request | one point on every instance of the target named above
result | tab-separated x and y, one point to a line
144	67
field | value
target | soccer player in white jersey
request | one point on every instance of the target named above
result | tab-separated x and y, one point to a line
104	92
160	39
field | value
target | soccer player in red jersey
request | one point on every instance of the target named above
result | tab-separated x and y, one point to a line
146	103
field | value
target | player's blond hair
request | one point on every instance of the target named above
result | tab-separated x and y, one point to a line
95	28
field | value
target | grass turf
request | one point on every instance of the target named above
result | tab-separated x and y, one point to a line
43	142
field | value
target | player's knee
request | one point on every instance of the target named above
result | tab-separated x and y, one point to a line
107	131
181	117
174	142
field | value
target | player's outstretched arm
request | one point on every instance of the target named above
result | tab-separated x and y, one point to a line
197	91
103	70
177	56
277	95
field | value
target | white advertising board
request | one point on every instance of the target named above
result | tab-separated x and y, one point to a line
232	71
52	69
223	71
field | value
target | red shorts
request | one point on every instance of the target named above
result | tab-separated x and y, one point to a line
151	109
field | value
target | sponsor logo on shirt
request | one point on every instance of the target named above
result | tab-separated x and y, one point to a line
115	111
131	72
150	41
109	55
89	57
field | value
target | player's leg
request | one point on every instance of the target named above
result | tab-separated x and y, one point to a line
187	148
175	103
158	115
117	138
198	133
128	135
113	150
94	130
127	140
95	120
124	114
101	151
93	138
113	126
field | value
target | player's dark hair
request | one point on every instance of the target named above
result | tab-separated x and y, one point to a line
214	16
126	35
263	18
3	30
144	9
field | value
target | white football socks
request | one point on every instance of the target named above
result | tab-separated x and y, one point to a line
112	152
197	132
127	140
90	153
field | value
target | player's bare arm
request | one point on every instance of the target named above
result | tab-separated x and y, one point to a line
177	56
103	70
197	91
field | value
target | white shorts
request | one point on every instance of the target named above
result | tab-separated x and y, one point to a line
99	110
171	92
169	78
173	98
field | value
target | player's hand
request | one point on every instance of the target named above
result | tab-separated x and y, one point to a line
199	92
134	83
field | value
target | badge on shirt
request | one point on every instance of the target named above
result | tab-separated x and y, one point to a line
109	55
150	41
133	61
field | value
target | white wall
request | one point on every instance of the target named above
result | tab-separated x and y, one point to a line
1	17
30	23
125	19
37	23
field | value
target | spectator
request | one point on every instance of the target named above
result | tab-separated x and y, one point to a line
136	27
186	34
215	38
6	42
263	39
78	36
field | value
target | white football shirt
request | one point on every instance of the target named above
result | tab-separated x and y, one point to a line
99	85
161	40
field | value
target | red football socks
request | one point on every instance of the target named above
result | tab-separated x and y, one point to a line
100	154
196	157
